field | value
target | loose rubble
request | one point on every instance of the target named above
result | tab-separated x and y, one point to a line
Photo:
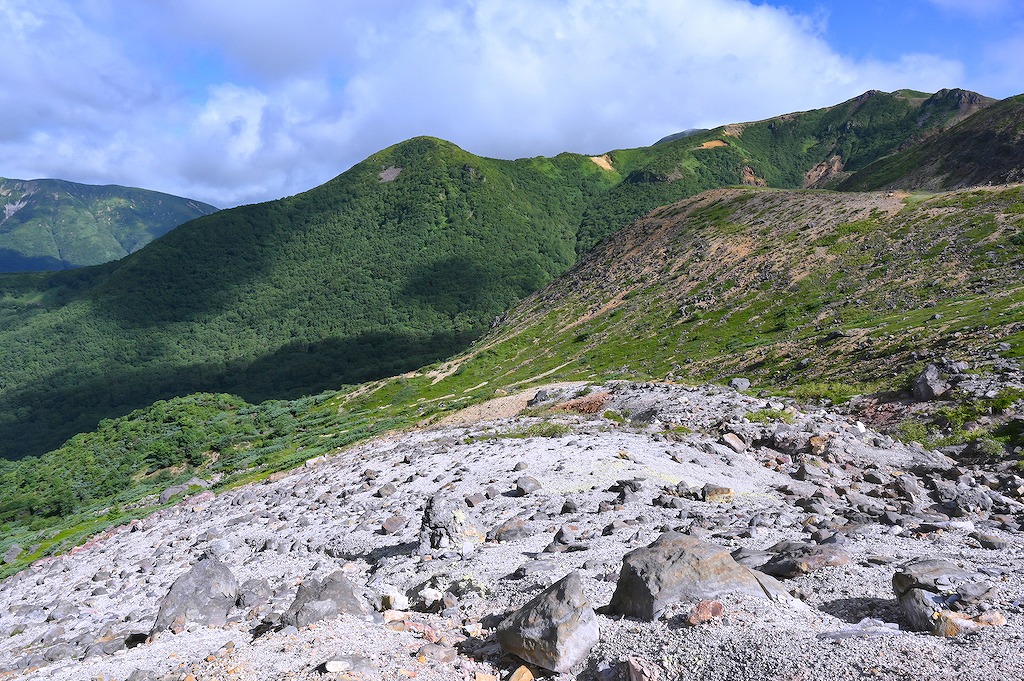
661	534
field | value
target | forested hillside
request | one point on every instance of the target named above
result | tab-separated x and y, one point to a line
56	225
402	260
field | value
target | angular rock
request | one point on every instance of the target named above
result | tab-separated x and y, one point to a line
512	529
704	611
447	527
527	484
716	494
203	595
254	592
12	553
929	385
679	567
793	559
734	442
555	630
928	589
317	601
739	384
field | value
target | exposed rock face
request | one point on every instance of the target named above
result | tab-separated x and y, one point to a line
203	595
824	173
555	630
678	567
317	601
447	527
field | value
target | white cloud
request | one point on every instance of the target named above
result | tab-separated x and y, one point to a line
306	89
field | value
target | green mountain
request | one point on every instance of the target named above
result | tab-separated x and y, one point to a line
816	293
801	290
56	225
402	260
987	148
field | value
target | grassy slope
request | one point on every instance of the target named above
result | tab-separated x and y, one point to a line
984	149
55	225
777	152
735	281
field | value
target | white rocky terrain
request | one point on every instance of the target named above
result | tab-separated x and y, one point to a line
401	558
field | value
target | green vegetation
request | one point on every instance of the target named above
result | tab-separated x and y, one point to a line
225	326
56	225
718	305
402	260
770	416
961	422
983	149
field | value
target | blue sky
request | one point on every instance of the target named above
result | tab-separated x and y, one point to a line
236	101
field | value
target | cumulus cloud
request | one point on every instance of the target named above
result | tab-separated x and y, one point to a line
123	92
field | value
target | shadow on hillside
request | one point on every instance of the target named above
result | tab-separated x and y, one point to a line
13	261
39	418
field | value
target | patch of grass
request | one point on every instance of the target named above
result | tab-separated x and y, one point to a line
768	415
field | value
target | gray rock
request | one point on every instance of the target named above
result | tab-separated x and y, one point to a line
527	484
679	567
929	385
317	601
254	592
927	588
512	529
739	384
556	630
793	559
203	595
12	553
447	527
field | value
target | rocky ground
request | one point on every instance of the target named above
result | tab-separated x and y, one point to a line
637	532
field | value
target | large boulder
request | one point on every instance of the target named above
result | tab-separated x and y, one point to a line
930	385
555	630
203	595
446	527
933	594
678	567
316	601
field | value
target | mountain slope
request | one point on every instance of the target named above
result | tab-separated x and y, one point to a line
55	224
806	149
820	294
987	148
402	260
790	288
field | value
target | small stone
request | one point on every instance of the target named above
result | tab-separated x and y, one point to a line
438	653
716	494
704	611
386	490
739	384
527	485
521	674
393	524
734	442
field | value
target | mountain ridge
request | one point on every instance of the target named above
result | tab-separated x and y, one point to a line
400	261
51	224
